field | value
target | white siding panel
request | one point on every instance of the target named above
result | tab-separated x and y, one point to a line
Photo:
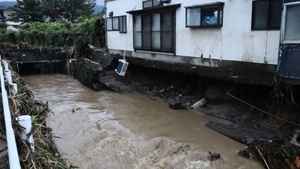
235	41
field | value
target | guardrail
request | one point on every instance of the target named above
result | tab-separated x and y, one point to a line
13	155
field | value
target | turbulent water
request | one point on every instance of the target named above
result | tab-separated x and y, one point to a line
106	130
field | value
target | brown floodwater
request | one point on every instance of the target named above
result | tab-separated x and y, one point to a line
107	130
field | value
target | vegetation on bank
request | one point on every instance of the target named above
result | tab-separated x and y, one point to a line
52	10
46	154
53	23
57	34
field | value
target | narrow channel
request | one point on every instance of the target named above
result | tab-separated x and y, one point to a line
107	130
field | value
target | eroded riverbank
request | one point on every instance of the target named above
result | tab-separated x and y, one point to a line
105	130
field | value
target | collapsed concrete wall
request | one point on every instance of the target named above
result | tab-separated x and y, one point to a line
86	71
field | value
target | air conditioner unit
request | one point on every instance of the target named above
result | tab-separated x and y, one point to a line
122	67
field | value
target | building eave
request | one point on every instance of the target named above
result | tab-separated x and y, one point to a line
167	7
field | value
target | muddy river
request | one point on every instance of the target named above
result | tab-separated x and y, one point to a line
107	130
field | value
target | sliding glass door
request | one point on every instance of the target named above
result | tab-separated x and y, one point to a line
155	31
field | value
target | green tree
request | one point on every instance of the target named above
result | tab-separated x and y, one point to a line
73	9
39	10
53	9
29	10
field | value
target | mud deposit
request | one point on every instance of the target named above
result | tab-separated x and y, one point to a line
105	130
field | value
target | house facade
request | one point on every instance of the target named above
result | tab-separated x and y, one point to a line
230	39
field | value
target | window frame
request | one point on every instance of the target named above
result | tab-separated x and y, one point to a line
218	6
283	24
121	24
140	31
113	28
268	27
109	18
152	4
152	48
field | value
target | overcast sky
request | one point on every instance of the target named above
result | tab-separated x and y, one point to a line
98	1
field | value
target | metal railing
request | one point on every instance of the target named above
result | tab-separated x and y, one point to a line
14	161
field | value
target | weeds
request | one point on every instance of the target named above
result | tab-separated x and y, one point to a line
46	155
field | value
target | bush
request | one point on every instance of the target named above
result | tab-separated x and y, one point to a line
58	34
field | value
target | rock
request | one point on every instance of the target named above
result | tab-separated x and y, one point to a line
180	102
176	103
201	103
214	156
112	82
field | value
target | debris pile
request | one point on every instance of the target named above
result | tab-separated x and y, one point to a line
274	155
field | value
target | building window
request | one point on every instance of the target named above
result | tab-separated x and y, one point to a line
123	24
266	14
117	23
109	26
155	31
137	32
292	23
205	16
151	3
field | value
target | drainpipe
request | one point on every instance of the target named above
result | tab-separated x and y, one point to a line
14	162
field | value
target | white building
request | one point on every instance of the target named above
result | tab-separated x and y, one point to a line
230	39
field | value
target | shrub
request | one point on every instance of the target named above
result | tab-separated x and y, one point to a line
58	34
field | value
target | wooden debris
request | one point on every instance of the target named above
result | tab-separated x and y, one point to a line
274	155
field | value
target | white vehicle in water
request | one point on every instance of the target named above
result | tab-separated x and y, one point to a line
226	39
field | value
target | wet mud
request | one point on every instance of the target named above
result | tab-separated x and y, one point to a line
107	130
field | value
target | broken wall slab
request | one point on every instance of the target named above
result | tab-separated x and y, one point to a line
86	71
